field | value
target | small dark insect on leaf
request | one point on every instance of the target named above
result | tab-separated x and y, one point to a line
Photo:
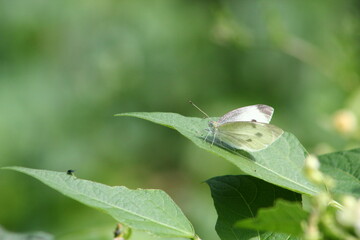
70	172
122	232
118	233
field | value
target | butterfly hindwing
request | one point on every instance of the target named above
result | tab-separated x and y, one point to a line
250	136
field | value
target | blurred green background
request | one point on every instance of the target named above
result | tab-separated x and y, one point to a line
66	67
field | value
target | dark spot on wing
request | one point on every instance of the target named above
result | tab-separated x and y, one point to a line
249	140
253	120
258	134
265	109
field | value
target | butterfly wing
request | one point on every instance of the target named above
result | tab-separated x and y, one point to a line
249	136
254	113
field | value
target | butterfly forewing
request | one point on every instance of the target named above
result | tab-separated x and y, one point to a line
254	113
250	136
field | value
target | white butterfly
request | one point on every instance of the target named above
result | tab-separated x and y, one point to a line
246	128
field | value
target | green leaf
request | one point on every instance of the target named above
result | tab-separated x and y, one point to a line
6	235
149	210
285	217
344	167
240	197
280	164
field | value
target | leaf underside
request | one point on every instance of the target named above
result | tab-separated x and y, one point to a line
240	197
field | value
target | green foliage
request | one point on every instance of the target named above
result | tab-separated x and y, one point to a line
344	168
265	205
284	217
147	210
280	164
240	197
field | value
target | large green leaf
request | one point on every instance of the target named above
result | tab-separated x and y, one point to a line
280	164
285	217
344	167
143	209
240	197
6	235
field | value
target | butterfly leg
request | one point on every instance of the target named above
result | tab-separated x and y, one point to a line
207	135
213	140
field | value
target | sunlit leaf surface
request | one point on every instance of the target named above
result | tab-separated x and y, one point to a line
280	164
149	210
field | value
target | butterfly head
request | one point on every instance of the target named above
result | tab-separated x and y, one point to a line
213	125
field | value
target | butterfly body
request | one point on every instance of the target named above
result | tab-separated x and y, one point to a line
246	128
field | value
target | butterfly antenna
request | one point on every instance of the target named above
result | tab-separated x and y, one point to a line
198	108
